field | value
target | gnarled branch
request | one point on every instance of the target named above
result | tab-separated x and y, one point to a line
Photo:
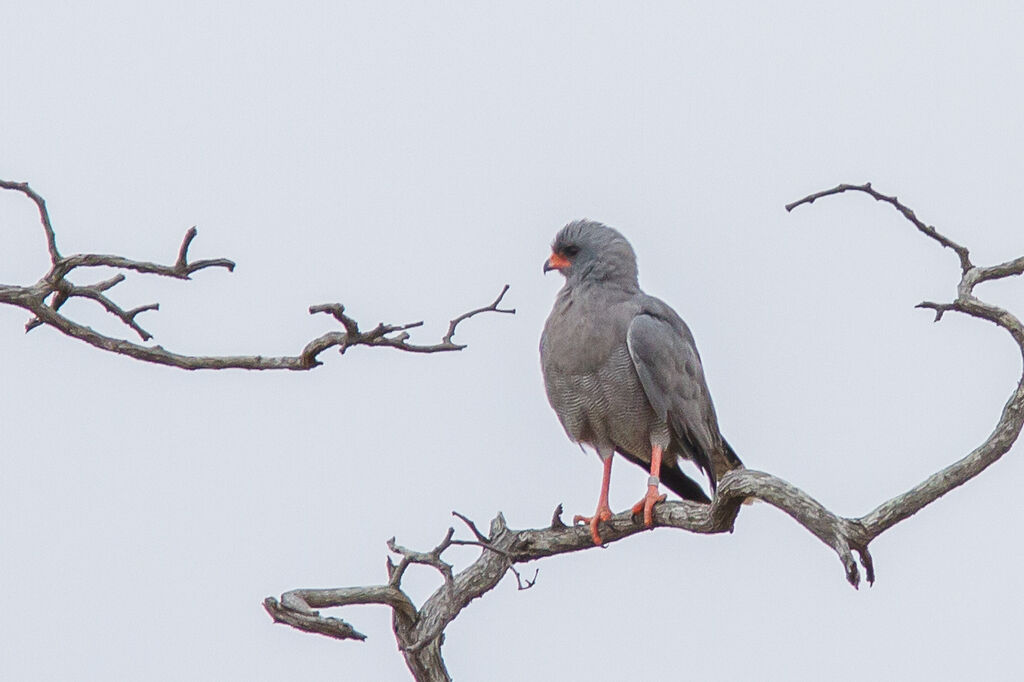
45	298
420	632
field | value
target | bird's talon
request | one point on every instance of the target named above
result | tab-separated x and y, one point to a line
602	514
646	505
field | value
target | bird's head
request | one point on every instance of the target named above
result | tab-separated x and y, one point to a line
585	250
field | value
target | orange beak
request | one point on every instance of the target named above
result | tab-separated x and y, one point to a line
556	262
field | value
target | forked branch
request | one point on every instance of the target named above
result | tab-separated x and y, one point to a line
420	631
45	298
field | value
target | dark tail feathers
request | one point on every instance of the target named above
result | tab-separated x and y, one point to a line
684	486
675	480
731	455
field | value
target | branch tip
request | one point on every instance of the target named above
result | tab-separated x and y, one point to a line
524	584
329	626
181	263
472	527
556	518
940	309
961	251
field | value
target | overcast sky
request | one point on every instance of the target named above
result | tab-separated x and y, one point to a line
408	159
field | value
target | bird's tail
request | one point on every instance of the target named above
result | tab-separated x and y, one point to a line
674	479
682	485
731	456
722	462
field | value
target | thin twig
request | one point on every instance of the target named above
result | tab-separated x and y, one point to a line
44	215
472	527
493	307
524	584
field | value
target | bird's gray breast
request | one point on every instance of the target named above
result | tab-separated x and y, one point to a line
590	378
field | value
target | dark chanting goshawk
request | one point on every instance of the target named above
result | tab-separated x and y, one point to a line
622	372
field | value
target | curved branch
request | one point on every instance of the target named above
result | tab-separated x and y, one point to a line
503	548
1011	419
45	298
962	253
44	215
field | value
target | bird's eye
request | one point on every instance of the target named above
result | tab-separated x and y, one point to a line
571	250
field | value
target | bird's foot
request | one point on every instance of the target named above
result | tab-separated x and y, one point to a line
646	505
603	513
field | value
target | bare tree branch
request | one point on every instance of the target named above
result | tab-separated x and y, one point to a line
44	215
45	298
421	631
961	251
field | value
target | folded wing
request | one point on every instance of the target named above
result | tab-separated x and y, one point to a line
672	376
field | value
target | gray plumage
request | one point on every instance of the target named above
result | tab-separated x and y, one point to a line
621	368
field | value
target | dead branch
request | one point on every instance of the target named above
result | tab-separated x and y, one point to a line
44	299
961	252
420	632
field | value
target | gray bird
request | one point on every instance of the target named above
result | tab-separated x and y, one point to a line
622	371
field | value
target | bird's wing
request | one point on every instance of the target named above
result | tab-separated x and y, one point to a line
671	374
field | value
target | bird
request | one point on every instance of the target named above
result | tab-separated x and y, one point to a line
622	372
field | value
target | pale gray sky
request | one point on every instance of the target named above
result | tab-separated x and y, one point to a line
408	159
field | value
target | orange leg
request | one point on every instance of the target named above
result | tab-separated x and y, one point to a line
646	505
603	512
